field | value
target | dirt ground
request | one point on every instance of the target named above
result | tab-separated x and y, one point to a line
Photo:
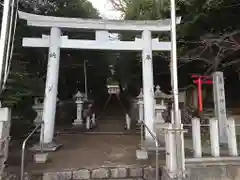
85	151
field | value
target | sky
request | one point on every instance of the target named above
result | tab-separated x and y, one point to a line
105	9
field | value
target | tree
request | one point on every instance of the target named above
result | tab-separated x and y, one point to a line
141	9
213	25
207	36
28	68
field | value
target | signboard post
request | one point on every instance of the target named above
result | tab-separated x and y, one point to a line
220	105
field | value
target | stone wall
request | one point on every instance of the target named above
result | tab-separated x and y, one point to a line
134	173
210	173
105	173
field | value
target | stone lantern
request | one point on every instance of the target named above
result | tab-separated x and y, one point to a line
79	99
140	107
38	107
160	107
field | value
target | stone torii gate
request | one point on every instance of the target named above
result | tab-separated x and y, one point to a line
55	41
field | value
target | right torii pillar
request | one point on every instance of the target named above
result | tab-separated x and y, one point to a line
148	91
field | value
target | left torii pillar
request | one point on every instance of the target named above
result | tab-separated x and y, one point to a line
51	89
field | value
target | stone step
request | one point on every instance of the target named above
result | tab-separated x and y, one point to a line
108	173
41	158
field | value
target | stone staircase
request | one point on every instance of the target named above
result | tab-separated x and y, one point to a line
112	118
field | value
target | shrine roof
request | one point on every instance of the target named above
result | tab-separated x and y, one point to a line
96	24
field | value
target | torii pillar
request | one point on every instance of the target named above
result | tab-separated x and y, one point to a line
51	89
148	91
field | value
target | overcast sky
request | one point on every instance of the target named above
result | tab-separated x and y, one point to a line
105	8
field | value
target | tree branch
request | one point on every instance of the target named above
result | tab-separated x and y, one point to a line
119	5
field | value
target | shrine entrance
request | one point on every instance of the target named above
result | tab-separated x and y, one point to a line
56	41
114	117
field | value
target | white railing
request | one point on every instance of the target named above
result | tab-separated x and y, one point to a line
214	148
214	136
214	142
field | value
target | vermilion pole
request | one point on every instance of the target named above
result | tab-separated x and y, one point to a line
200	80
200	103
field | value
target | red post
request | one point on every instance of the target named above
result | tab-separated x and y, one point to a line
200	103
200	80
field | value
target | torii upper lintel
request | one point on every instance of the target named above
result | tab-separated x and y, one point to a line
96	24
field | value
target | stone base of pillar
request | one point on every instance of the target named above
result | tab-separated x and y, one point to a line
49	147
150	145
159	127
223	141
141	154
167	175
77	123
223	145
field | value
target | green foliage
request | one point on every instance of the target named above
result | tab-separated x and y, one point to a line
29	65
62	8
200	19
204	17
